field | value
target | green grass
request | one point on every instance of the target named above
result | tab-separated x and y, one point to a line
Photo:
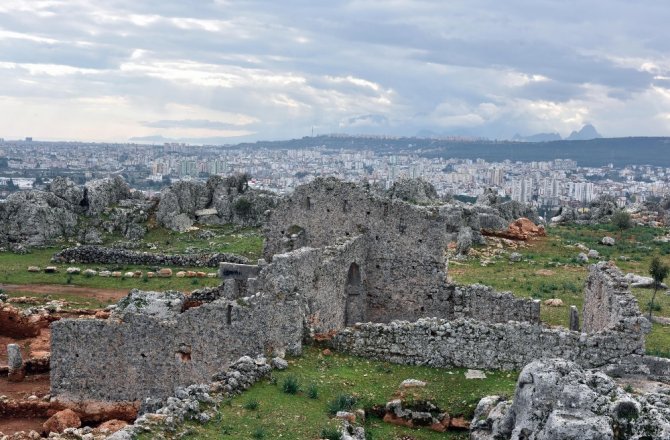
549	270
233	239
299	417
242	241
14	270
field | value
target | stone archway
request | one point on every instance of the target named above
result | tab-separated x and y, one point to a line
355	308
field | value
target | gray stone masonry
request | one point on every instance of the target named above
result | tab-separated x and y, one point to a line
613	329
238	271
139	356
405	265
91	254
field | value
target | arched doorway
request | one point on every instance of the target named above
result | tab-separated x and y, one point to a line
355	309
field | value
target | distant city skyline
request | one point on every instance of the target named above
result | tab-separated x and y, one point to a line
238	71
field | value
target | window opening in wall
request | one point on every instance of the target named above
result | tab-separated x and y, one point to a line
229	314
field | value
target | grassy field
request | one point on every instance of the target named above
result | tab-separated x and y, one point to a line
549	269
242	241
266	412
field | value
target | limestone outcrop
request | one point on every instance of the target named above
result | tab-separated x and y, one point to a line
67	210
557	400
218	201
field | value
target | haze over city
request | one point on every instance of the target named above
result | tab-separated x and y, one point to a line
220	71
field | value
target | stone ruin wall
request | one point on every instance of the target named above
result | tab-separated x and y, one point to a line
141	356
608	302
93	254
511	345
405	243
137	356
332	281
404	260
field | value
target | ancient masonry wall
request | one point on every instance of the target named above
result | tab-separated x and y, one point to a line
608	302
141	356
405	243
332	281
476	344
91	254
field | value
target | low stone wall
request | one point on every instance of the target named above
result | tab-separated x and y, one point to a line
613	329
139	356
90	254
474	344
474	301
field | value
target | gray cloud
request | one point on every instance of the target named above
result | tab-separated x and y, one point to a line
482	67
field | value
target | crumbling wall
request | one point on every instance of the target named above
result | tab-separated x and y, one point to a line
474	344
139	356
92	254
321	276
406	243
614	328
608	301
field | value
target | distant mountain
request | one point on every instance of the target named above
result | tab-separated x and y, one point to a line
539	137
587	133
159	139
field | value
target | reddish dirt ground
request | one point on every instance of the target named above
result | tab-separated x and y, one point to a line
12	425
33	385
85	292
30	347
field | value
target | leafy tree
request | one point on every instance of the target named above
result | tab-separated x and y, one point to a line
658	271
621	220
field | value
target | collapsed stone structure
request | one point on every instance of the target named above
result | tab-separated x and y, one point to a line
336	254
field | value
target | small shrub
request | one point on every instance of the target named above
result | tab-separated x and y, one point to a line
68	280
195	281
628	388
259	433
88	275
655	307
290	385
251	405
343	402
313	392
329	433
145	278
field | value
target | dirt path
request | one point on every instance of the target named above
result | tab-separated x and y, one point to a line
84	292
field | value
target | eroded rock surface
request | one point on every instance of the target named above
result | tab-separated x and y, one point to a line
557	400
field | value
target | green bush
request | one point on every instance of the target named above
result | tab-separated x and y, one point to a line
259	433
290	385
329	433
343	402
251	405
313	392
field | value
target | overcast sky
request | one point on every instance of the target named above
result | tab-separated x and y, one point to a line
117	69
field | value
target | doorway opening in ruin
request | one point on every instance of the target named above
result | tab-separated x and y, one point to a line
355	293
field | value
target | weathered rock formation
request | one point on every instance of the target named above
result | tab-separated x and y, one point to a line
66	210
218	201
557	400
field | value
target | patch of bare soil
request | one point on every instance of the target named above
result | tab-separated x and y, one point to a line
85	292
32	385
12	425
545	272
